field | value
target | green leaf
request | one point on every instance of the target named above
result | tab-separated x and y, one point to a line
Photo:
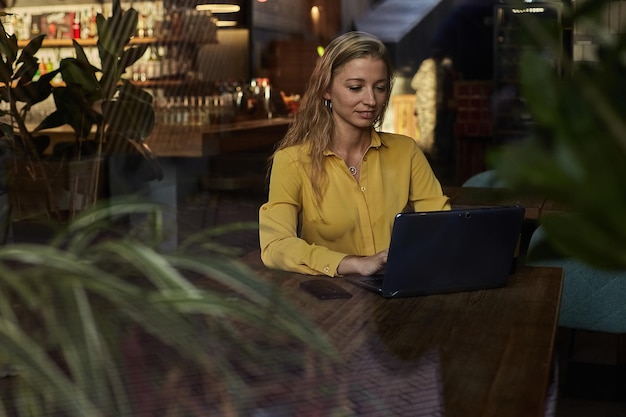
31	49
88	294
8	47
43	374
576	154
589	9
7	130
535	72
6	73
73	108
132	55
115	32
131	119
80	54
3	35
35	92
27	70
52	120
81	75
600	247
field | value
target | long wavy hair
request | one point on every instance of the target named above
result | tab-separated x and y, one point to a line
313	123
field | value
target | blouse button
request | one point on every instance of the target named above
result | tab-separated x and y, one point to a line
363	189
326	268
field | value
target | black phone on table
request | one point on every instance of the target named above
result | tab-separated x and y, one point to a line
324	289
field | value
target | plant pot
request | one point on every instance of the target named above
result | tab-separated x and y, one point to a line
53	189
36	231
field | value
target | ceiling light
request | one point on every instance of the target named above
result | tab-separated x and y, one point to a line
226	23
219	8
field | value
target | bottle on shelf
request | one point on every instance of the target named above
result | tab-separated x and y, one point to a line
19	24
49	65
141	26
8	23
52	30
170	112
75	25
150	18
43	68
34	29
84	25
23	27
160	107
153	66
206	106
93	27
185	111
177	111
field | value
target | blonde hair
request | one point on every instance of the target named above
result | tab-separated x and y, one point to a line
313	123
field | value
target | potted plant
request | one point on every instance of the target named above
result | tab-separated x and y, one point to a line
110	117
100	323
21	92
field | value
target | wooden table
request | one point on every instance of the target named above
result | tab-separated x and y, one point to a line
553	207
481	353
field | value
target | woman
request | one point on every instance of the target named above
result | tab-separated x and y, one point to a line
336	183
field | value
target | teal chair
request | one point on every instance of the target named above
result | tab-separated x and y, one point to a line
592	299
485	179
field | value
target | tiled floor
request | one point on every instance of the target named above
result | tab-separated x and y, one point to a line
574	407
236	221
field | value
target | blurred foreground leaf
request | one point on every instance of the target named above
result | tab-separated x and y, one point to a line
576	154
87	314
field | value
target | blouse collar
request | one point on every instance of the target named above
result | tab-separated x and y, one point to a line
376	142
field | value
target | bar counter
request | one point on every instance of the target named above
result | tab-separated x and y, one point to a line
209	140
187	141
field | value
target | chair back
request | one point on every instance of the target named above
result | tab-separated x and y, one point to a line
592	298
485	179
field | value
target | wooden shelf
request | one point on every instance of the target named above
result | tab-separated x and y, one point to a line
170	83
67	43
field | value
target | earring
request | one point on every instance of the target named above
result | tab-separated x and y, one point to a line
328	104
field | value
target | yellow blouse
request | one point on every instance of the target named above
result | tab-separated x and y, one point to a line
299	235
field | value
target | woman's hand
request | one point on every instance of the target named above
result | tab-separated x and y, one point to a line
363	265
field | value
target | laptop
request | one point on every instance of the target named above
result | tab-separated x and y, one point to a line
448	251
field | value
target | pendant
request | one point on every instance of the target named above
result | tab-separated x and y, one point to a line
352	170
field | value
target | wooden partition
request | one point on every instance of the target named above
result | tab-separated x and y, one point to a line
404	118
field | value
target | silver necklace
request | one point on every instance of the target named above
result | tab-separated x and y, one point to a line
353	168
